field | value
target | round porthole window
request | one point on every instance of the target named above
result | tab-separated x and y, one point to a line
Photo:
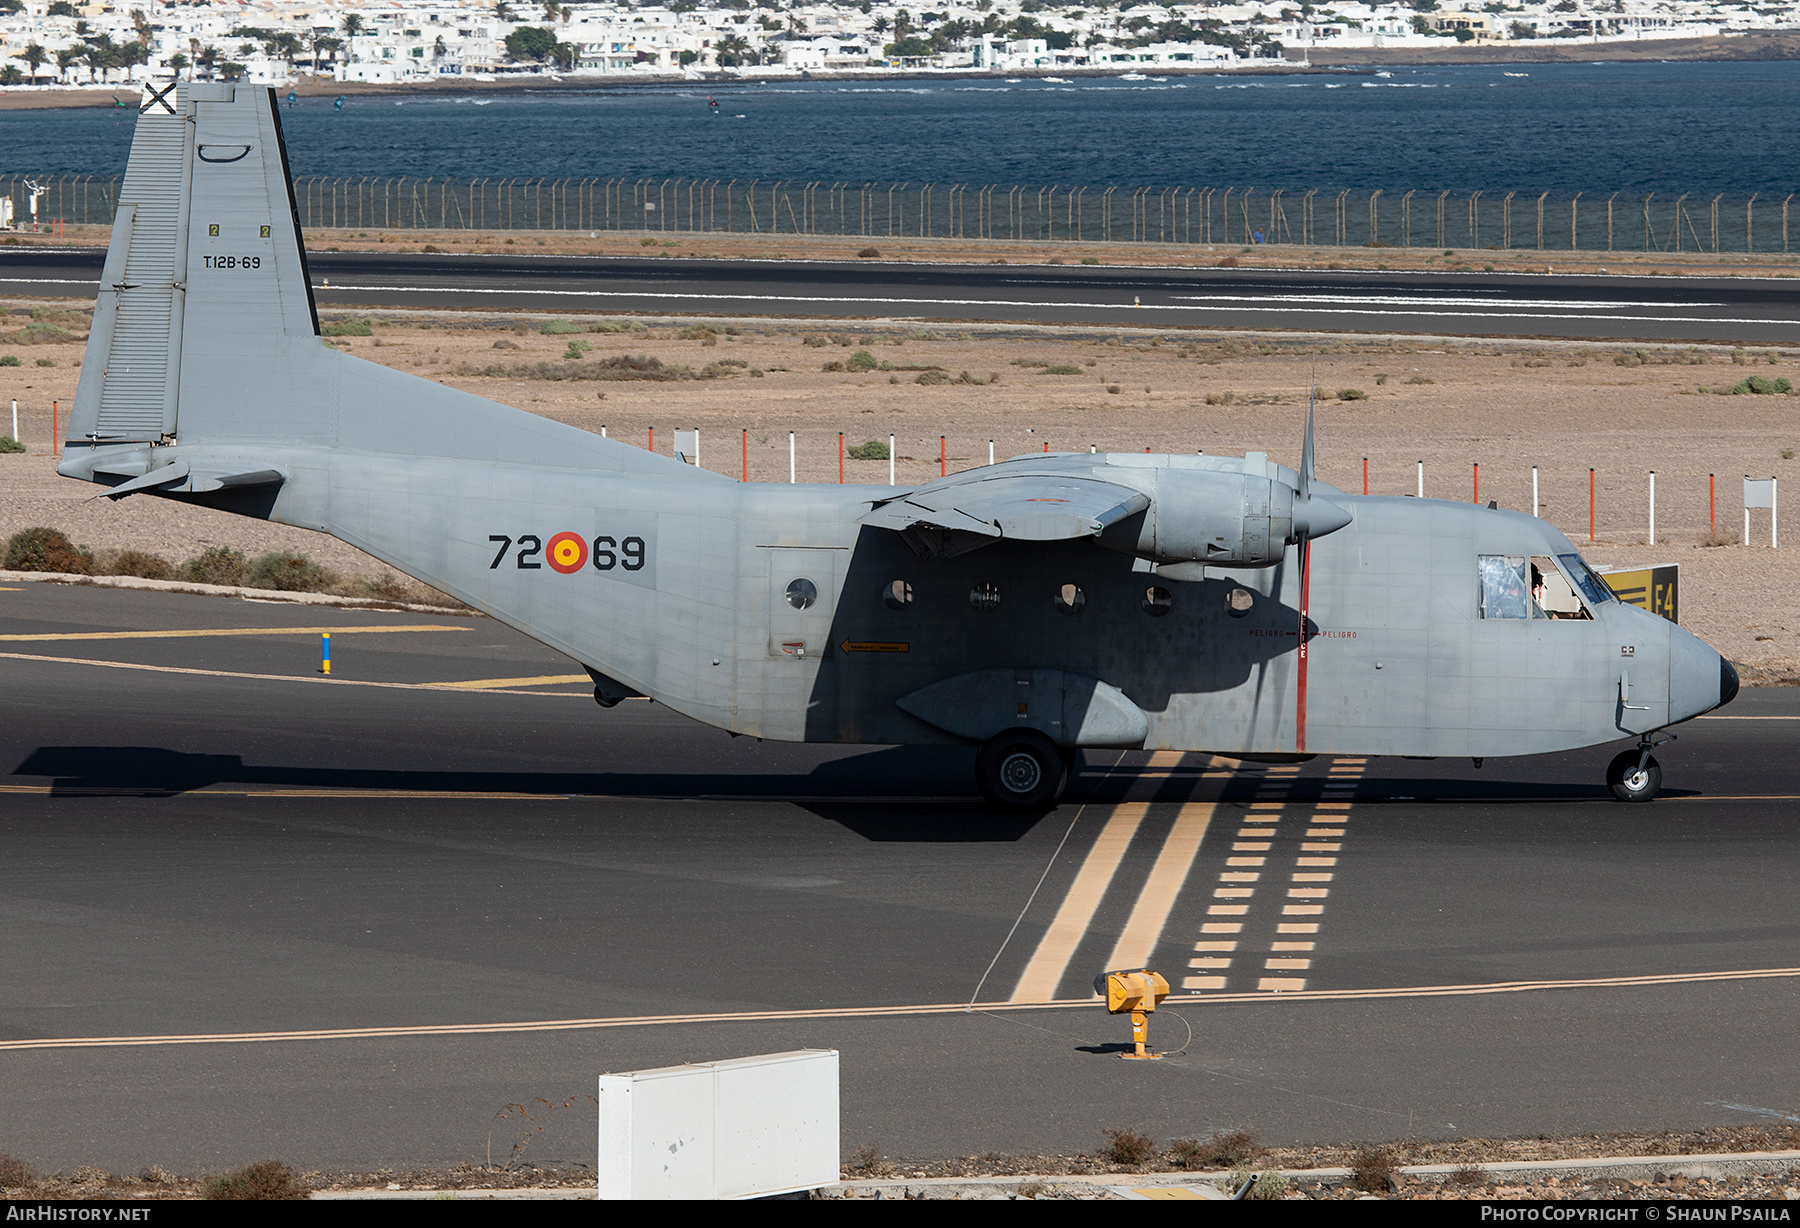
802	593
1069	599
985	597
897	595
1239	601
1158	601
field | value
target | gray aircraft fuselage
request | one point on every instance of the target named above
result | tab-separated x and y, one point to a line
1124	600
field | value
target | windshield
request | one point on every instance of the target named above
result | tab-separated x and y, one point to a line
1584	578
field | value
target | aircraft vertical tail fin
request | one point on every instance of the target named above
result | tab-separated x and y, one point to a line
179	287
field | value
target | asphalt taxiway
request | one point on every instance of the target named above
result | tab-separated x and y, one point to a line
1762	310
254	912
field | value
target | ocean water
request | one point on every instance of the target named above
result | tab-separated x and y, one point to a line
1645	127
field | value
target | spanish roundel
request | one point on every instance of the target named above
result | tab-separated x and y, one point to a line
567	553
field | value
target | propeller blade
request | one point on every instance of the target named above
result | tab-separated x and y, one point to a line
1306	449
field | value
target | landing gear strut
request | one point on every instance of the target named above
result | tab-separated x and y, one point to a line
1022	769
1635	775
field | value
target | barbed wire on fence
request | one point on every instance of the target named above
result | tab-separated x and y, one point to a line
1211	216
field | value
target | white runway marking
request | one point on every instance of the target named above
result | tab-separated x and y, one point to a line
1197	308
1413	300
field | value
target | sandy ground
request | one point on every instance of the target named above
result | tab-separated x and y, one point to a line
1563	407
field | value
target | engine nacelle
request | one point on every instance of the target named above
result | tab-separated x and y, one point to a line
1224	518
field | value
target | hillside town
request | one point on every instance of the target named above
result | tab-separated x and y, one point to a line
48	44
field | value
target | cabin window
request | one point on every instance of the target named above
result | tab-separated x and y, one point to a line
985	597
1069	599
897	594
1239	601
1158	601
802	593
1505	589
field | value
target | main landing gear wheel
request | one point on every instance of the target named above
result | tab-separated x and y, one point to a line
1021	769
1630	782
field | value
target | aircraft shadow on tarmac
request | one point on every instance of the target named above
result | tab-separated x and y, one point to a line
911	783
887	794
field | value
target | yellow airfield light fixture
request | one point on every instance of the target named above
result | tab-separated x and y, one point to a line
1133	991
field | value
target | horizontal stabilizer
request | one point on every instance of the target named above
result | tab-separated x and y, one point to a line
186	478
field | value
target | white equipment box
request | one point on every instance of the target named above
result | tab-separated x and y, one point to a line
740	1129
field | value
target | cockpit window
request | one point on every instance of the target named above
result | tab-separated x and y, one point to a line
1553	592
1504	593
1591	585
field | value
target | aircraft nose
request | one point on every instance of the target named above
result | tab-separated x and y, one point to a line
1699	678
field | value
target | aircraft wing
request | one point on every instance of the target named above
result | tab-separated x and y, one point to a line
1022	506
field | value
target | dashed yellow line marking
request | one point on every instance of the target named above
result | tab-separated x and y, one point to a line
218	632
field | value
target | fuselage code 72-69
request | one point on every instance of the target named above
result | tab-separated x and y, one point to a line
569	552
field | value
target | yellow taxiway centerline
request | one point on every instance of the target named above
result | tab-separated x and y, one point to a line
877	1012
335	680
1143	929
210	632
1051	959
494	684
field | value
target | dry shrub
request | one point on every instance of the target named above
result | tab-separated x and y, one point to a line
1228	262
15	1174
219	565
138	563
816	340
288	573
933	377
1127	1146
1468	1174
1719	535
618	367
1225	1149
865	1161
1372	1170
265	1180
88	1174
869	253
43	549
1270	1184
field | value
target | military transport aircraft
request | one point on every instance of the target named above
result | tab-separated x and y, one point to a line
1030	608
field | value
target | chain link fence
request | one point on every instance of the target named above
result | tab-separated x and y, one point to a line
1479	220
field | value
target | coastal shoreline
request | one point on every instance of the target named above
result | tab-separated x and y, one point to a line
1745	48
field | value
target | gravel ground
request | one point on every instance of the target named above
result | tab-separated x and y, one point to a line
1565	407
868	1175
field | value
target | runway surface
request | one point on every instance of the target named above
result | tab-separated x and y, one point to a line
1756	310
252	912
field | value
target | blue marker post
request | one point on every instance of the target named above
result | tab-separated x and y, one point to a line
325	665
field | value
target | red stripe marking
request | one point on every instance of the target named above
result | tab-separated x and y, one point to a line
1300	697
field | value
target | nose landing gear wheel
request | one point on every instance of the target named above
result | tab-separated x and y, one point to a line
1021	770
1630	782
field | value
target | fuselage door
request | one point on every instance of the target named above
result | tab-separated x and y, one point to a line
803	588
